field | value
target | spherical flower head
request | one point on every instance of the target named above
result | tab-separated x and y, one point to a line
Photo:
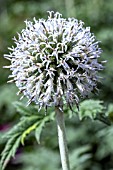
55	61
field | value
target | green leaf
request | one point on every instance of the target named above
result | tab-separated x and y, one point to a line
25	123
9	150
23	110
81	155
39	130
42	124
28	131
20	131
109	112
44	162
14	138
90	108
105	135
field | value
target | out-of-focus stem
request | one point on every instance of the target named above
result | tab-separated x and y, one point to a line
70	8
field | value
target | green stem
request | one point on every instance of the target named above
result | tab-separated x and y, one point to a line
70	8
62	139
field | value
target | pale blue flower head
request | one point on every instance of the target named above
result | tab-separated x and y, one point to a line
55	61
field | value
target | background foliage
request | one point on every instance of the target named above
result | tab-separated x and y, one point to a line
89	132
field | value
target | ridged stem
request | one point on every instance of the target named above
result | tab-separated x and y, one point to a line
62	139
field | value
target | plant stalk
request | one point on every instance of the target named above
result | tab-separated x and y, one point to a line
70	8
62	139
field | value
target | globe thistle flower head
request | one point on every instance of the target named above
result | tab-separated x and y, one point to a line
55	61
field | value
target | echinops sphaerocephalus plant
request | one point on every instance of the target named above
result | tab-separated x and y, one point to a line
55	62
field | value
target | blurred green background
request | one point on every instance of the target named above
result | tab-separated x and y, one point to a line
90	142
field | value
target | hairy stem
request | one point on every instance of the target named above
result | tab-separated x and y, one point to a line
62	139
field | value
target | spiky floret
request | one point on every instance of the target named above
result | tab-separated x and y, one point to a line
55	61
